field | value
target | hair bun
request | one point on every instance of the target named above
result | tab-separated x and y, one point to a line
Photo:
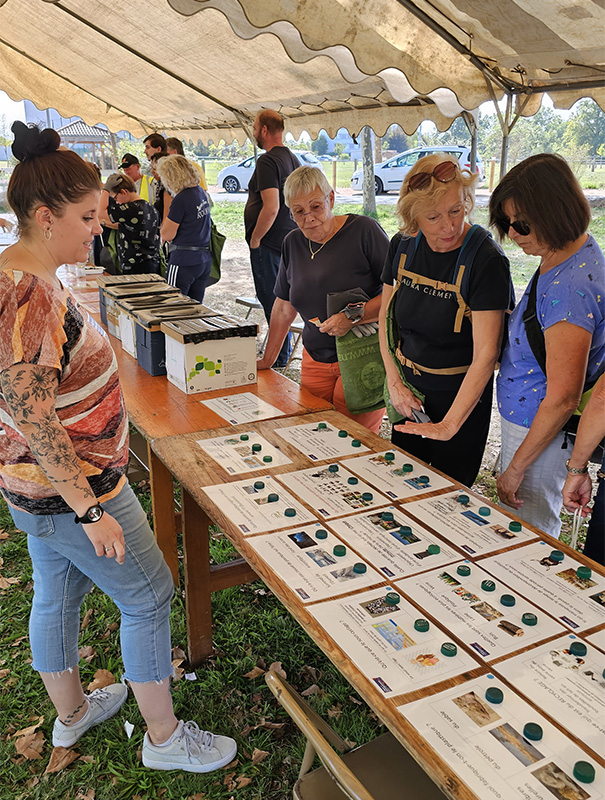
30	141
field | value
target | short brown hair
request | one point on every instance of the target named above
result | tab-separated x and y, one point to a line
156	140
546	194
411	204
270	119
45	174
175	144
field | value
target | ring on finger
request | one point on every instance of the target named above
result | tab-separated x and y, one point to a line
107	549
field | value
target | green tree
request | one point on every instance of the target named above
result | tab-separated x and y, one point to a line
395	139
586	126
320	145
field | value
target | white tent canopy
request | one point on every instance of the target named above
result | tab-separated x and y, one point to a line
201	69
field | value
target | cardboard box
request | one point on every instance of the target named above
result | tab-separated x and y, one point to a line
210	353
121	280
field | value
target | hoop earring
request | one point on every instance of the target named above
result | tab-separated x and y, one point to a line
47	233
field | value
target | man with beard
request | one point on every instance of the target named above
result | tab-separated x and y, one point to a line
266	217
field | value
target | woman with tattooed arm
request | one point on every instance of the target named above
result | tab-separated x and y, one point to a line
63	459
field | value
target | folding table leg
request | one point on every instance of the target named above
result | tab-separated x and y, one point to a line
162	504
196	550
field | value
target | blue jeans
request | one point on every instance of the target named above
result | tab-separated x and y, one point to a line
265	266
65	569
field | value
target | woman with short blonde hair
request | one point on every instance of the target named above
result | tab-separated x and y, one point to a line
445	313
176	173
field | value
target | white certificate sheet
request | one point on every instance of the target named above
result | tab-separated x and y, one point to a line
258	505
567	685
483	612
397	475
394	543
579	603
332	490
242	407
321	440
598	639
473	525
483	743
314	563
380	639
243	452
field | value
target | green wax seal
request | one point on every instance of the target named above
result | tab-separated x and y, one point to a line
494	695
515	526
421	625
290	512
488	586
359	568
405	530
339	550
433	549
367	496
321	533
584	572
584	772
343	434
577	649
355	443
256	447
387	516
392	598
448	649
407	467
529	619
244	437
321	426
422	479
508	600
485	511
463	569
259	484
556	555
463	499
272	498
389	456
267	459
352	481
532	731
333	468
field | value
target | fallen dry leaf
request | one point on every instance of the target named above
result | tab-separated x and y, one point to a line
335	712
36	722
4	673
311	690
259	755
228	780
90	795
243	781
87	653
3	535
254	673
86	619
6	582
178	652
60	758
197	796
31	745
101	679
278	669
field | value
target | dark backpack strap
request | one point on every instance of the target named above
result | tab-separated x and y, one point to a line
533	329
407	246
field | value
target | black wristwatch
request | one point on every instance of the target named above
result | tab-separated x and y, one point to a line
93	514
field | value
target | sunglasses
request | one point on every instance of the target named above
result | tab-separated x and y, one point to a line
444	173
522	228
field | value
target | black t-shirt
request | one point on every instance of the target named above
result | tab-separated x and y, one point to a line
138	235
352	258
272	169
426	315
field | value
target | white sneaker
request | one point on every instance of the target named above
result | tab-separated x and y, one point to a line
102	704
190	749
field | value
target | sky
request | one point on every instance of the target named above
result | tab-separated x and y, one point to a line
10	109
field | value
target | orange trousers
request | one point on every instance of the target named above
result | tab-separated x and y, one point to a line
323	380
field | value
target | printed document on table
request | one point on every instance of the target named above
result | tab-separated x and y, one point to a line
380	639
394	543
473	526
236	454
258	505
568	687
484	744
598	639
578	602
243	407
320	441
331	490
313	564
399	478
485	614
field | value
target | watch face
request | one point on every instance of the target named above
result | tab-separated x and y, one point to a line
95	513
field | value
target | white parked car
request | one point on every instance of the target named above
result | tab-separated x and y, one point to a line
237	177
389	175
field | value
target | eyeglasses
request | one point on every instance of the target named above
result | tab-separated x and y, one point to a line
522	228
444	173
316	209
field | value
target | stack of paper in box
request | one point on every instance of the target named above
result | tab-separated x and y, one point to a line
104	281
210	353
